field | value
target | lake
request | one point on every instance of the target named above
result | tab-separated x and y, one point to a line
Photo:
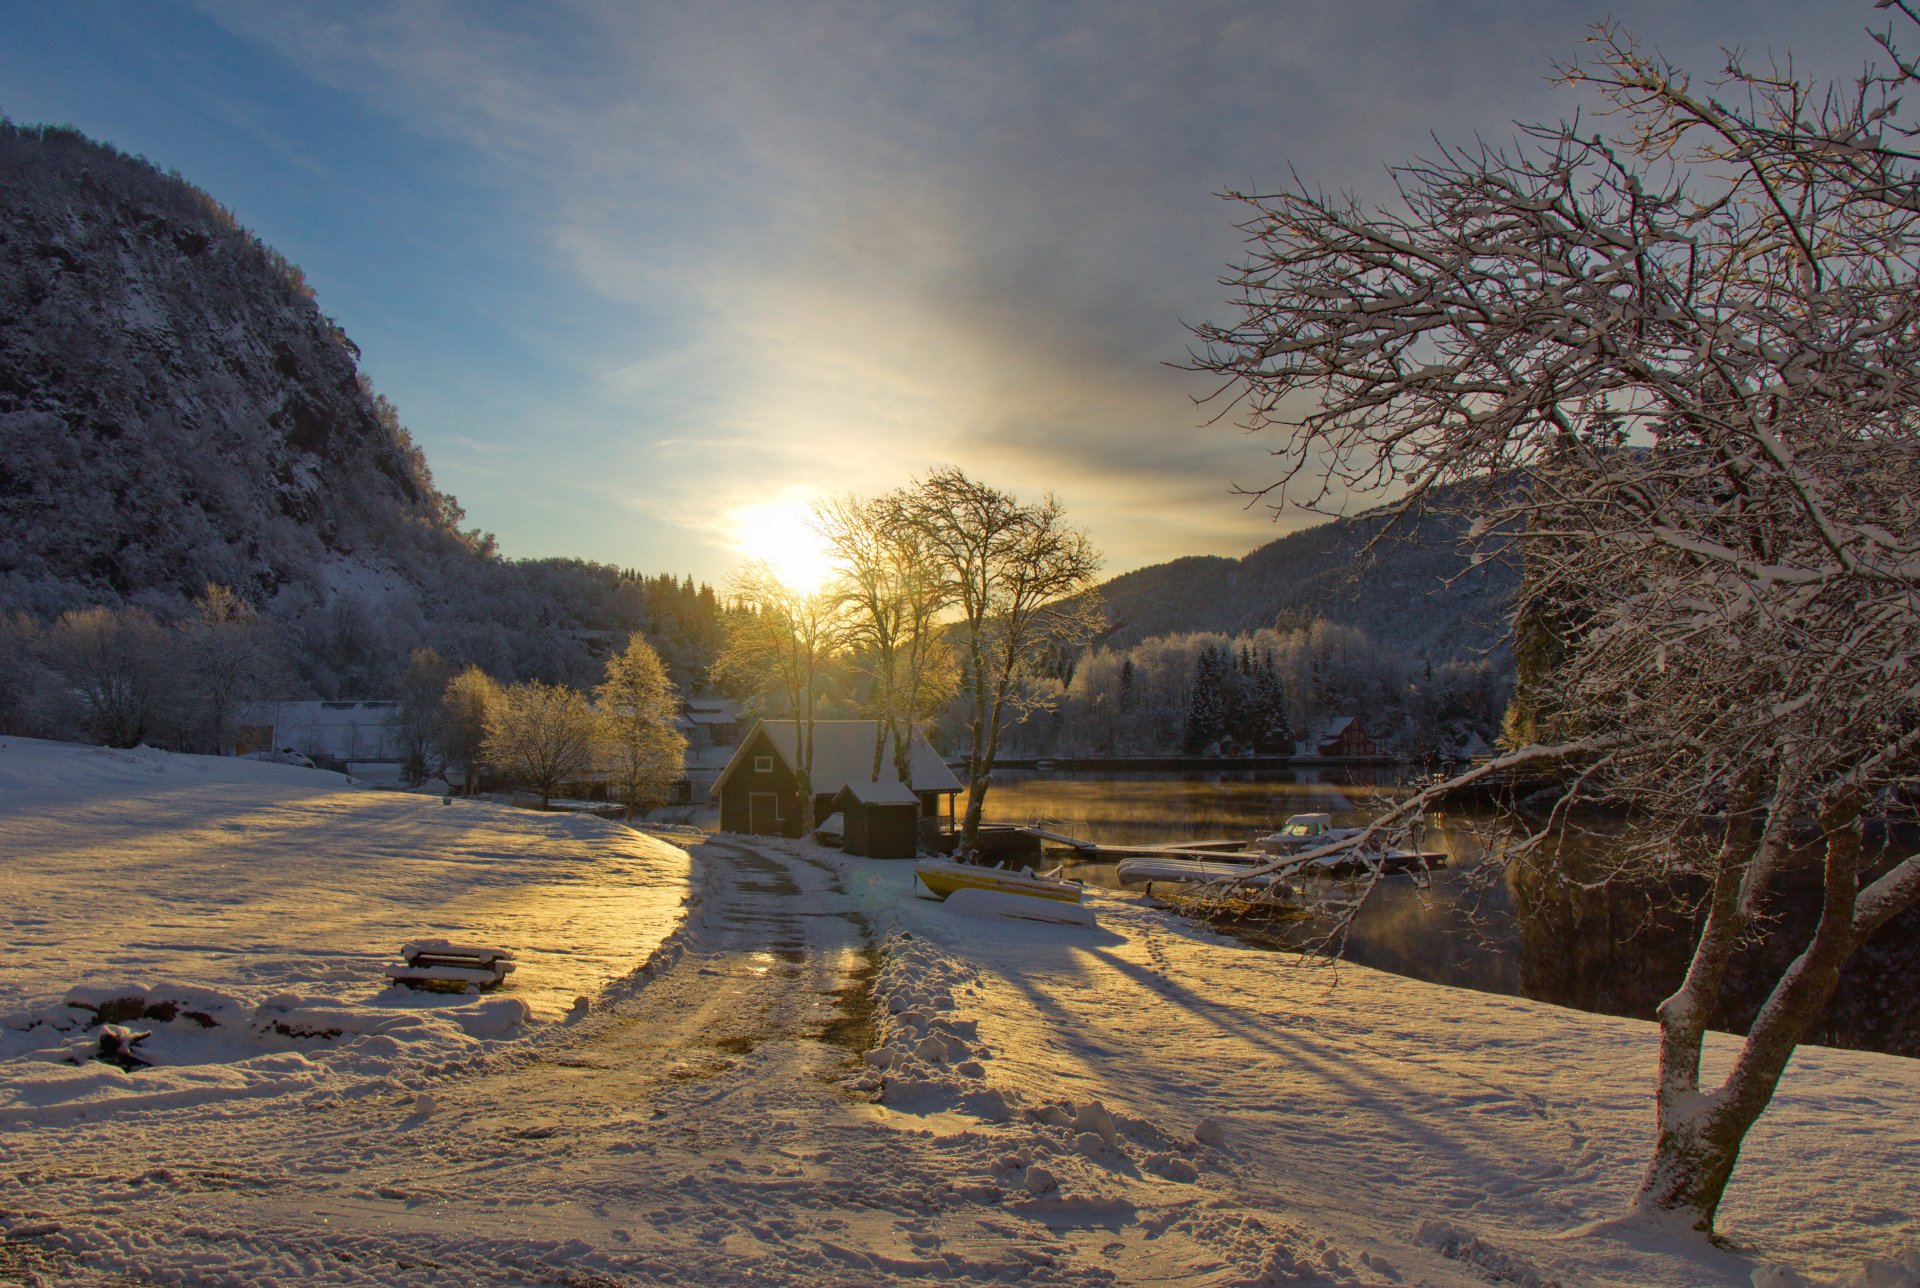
1618	950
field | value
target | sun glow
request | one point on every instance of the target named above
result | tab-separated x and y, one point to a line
781	535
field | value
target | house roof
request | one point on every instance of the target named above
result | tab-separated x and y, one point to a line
843	754
1335	727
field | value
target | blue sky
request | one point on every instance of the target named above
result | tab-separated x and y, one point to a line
632	272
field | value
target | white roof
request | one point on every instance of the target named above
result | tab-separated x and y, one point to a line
888	791
1335	727
843	754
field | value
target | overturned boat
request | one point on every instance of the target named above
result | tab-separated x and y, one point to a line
943	877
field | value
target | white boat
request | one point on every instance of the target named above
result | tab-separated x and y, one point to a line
1173	871
943	877
1358	862
1305	832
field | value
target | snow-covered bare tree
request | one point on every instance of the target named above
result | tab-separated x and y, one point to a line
542	735
226	660
423	719
888	582
1684	357
645	752
779	646
120	664
1021	578
464	708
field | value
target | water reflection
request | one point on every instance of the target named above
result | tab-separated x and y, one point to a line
1617	949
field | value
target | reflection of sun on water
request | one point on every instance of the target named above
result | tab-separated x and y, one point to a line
781	534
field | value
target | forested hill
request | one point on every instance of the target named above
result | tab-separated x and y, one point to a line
175	410
1416	591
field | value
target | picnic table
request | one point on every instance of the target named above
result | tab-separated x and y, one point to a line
438	964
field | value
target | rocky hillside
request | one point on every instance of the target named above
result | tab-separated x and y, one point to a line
1417	589
174	408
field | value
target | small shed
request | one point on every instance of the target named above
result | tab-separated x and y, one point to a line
879	820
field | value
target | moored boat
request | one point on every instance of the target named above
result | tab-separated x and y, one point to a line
1304	832
1358	862
943	877
1175	871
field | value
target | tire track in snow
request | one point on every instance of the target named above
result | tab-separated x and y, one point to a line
698	1128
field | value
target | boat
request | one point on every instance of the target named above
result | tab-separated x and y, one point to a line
943	877
1176	871
1304	832
1360	862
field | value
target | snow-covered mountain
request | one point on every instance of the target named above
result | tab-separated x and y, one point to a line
174	407
1417	590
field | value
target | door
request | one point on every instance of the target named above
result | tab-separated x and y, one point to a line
763	813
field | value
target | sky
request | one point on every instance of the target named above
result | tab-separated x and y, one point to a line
645	279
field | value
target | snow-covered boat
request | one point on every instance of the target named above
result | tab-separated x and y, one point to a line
1304	832
1354	862
1173	871
943	877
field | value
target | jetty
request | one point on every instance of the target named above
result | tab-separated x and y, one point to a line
1211	853
1100	852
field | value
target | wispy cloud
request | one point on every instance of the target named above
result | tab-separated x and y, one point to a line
825	247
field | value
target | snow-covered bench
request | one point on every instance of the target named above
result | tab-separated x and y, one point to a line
435	963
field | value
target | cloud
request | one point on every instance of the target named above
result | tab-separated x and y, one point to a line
826	246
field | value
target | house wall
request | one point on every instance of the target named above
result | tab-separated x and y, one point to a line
736	810
892	832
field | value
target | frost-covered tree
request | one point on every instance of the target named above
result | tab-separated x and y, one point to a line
543	735
645	752
465	705
1688	354
122	666
1020	577
225	659
423	719
888	585
779	647
1207	709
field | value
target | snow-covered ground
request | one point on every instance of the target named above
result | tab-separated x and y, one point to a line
268	899
805	1074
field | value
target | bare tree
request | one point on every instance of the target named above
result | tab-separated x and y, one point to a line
464	707
226	660
542	735
1022	580
1684	360
423	719
779	643
888	581
646	753
120	664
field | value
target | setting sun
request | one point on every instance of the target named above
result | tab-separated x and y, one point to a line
781	534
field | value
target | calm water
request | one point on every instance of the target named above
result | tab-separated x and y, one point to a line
1617	950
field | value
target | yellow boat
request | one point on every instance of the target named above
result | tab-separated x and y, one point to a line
943	878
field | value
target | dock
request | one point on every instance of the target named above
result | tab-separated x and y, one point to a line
1237	852
1099	852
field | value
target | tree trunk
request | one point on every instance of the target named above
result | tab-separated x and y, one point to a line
1699	1136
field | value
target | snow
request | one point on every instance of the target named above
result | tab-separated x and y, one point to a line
1133	1100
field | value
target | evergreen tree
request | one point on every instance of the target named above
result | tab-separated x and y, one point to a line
1207	712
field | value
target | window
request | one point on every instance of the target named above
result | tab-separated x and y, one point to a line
763	764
